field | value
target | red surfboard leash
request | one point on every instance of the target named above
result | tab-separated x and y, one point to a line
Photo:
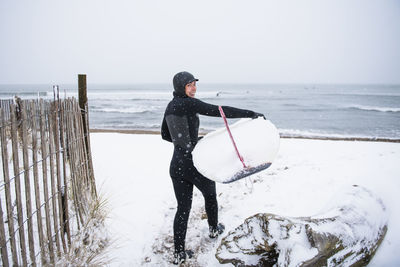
230	135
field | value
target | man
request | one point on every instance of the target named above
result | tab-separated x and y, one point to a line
181	126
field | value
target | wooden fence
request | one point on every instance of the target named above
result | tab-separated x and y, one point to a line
48	179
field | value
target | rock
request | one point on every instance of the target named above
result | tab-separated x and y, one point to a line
347	233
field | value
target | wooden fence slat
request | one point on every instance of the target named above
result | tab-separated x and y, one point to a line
90	162
7	188
34	106
64	163
14	142
25	155
45	185
72	159
56	140
52	181
83	155
4	253
82	123
81	159
80	163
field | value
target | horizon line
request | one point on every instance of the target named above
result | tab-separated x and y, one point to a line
212	83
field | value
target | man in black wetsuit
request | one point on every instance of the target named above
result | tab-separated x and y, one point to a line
181	126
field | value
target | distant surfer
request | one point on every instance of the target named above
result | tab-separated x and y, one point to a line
181	126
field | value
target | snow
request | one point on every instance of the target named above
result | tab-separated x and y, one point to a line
132	172
297	245
354	205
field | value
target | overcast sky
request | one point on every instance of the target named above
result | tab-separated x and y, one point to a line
235	41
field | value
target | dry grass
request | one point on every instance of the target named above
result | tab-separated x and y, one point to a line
89	245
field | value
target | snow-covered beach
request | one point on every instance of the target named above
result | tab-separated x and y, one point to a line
132	174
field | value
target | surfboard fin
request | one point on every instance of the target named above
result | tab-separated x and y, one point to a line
247	172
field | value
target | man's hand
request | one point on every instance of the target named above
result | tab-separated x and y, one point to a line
256	115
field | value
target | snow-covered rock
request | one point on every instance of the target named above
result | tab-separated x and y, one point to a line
346	233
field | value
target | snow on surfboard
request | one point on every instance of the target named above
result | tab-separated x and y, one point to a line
216	156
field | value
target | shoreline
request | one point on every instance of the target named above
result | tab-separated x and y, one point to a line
364	139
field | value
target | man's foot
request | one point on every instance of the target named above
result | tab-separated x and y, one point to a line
180	257
216	230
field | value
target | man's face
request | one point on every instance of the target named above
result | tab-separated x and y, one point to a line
190	89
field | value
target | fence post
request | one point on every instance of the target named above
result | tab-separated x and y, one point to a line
83	105
82	87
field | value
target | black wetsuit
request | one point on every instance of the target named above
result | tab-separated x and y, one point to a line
181	126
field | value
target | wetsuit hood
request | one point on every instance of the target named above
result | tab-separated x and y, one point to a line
180	80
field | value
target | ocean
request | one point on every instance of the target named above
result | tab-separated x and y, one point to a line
328	111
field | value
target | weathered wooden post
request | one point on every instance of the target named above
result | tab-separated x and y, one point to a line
83	105
82	87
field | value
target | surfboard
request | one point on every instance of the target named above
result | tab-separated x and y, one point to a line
257	140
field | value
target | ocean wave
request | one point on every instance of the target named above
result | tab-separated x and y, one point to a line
129	96
127	110
374	108
362	94
309	133
129	126
144	95
324	135
31	94
115	95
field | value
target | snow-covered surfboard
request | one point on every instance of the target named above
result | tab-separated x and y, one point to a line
257	140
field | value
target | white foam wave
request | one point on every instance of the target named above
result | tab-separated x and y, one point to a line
115	95
129	126
208	94
128	110
322	134
27	95
129	95
143	95
374	108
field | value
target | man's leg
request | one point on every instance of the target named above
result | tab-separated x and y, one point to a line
183	193
208	189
